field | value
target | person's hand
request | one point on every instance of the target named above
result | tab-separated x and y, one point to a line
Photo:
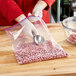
28	27
37	11
40	5
20	18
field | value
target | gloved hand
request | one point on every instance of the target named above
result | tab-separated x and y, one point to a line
32	19
37	11
28	27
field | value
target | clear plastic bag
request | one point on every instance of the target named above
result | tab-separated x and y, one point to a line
26	50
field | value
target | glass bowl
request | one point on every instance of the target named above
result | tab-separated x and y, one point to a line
69	25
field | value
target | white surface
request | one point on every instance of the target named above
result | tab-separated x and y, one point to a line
74	13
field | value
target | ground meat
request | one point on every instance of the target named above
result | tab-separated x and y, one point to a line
72	38
30	52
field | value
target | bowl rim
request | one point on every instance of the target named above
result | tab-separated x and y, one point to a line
69	18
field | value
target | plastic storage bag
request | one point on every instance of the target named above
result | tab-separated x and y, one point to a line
26	50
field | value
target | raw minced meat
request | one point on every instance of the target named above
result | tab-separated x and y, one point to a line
72	38
30	52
